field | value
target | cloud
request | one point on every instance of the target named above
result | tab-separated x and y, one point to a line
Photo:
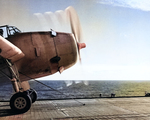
143	5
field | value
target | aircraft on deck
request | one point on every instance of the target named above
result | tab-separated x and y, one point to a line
26	55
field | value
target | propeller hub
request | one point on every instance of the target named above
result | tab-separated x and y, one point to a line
81	45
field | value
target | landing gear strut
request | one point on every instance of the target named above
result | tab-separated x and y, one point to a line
33	95
23	98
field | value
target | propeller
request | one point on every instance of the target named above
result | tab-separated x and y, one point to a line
75	27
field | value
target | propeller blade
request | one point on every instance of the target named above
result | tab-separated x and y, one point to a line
75	28
60	16
74	22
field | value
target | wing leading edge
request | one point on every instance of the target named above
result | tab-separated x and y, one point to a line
10	51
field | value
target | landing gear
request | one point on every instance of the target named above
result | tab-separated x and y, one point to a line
20	102
33	95
23	98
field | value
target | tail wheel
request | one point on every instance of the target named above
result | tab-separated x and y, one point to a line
20	102
33	95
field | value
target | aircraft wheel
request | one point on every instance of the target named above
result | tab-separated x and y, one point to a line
20	102
33	95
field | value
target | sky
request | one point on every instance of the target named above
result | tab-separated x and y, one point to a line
116	33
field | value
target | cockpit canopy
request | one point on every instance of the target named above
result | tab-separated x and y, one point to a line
7	31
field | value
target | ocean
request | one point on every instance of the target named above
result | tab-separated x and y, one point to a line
80	89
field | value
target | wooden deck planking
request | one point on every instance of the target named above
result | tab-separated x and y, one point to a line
114	108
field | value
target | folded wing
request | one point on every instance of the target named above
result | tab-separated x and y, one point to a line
10	51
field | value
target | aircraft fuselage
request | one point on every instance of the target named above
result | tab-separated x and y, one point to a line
45	54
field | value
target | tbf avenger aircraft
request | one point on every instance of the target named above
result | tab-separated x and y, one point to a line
26	55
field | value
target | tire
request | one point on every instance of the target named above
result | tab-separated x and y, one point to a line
20	102
33	95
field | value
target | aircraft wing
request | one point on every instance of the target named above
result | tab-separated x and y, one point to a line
10	51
